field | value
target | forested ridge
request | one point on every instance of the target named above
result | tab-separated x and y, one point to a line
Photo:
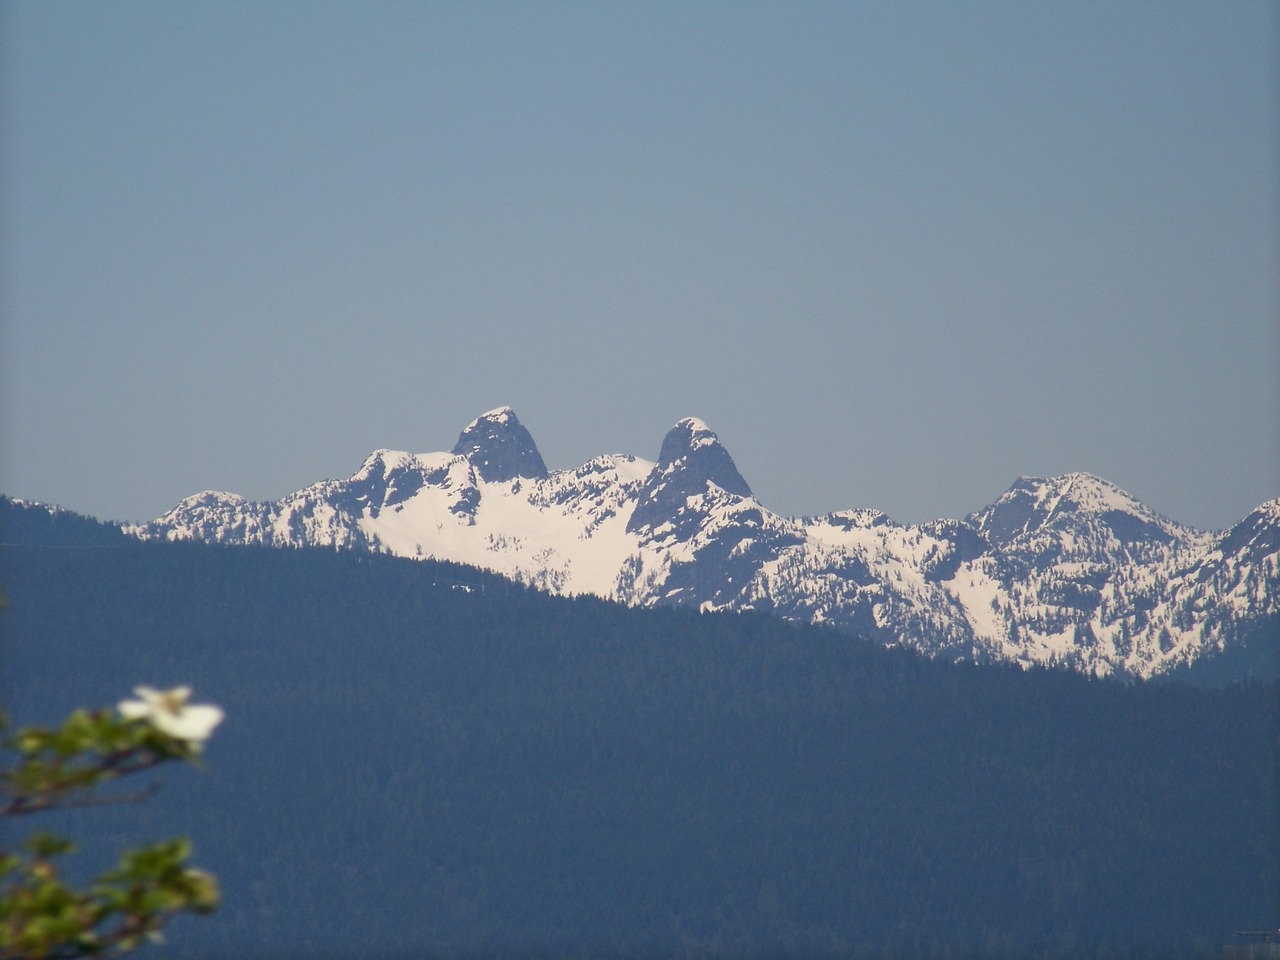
420	759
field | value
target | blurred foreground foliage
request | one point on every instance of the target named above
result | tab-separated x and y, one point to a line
42	914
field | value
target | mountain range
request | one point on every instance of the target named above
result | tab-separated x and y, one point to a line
1067	570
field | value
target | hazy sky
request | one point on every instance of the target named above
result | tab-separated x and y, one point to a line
895	254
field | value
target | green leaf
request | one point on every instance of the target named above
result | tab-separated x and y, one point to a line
47	845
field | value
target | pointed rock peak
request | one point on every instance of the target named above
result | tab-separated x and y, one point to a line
692	442
691	462
687	436
500	448
502	414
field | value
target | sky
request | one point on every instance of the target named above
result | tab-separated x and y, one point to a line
895	254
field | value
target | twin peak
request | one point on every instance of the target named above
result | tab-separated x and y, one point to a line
500	448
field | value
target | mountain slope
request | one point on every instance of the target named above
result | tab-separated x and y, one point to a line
1066	570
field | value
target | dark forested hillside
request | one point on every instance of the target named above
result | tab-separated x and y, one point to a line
422	760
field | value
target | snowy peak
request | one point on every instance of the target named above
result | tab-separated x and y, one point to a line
692	448
1258	534
692	462
1067	570
1074	500
500	448
216	517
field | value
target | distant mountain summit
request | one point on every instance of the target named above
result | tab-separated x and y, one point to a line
1073	502
1066	570
500	448
692	463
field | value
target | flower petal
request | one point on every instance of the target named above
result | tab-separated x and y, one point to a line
191	723
178	695
135	709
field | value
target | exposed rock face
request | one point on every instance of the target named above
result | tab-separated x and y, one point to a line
692	463
500	448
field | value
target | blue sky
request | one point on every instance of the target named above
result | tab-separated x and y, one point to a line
895	254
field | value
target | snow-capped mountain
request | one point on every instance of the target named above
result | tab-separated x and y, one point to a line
1067	570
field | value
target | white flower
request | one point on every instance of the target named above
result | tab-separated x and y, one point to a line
169	712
